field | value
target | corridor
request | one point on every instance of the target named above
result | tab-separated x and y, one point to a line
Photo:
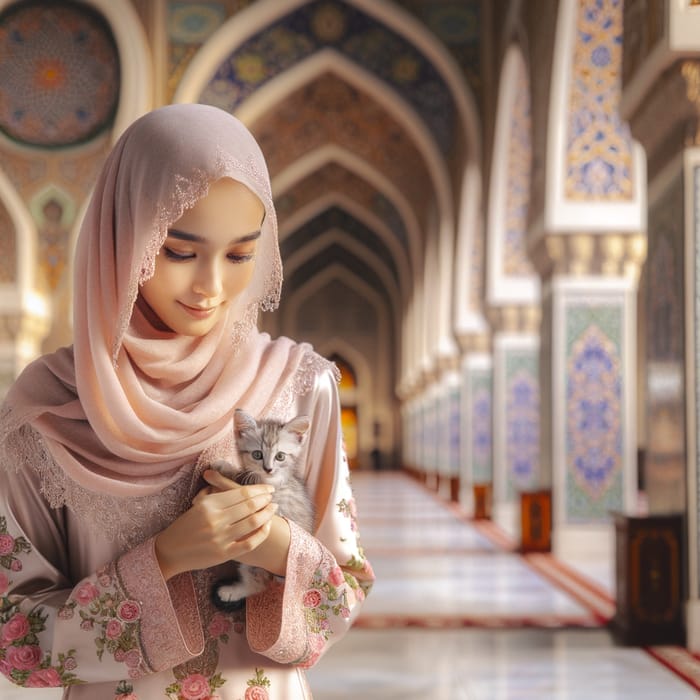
454	615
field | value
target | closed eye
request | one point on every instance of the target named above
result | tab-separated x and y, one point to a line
240	257
173	255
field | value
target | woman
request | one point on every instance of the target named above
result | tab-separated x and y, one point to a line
112	529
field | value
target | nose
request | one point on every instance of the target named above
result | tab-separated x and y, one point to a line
209	280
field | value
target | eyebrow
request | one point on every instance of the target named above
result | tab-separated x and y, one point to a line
193	237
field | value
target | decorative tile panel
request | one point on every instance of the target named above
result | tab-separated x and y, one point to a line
454	434
522	414
594	412
482	434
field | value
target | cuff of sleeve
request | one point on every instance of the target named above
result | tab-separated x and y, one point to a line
275	621
171	629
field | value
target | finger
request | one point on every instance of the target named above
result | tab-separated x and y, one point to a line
206	491
243	528
239	548
217	479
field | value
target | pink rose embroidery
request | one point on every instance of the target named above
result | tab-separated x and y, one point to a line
336	576
114	629
195	687
87	625
5	668
4	583
16	565
219	626
25	658
70	664
128	611
317	644
7	544
44	678
132	658
15	628
312	598
66	613
257	692
86	593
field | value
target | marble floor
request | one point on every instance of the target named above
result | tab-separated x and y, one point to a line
457	615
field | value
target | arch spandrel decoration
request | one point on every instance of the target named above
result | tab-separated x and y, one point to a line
360	37
599	145
329	110
515	259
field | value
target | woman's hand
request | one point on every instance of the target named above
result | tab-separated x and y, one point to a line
271	553
221	525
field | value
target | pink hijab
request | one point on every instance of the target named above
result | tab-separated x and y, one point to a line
129	409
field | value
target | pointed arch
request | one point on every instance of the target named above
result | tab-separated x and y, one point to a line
360	251
332	153
369	219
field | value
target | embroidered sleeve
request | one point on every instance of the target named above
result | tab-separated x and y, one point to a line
296	620
123	621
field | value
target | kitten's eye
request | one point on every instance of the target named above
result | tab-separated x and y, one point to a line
280	456
256	454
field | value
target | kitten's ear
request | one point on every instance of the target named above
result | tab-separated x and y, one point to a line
243	422
298	426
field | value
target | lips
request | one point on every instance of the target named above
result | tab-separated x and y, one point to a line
198	312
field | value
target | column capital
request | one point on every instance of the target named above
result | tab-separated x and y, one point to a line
611	254
474	342
515	318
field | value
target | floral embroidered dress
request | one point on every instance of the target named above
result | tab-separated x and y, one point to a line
93	614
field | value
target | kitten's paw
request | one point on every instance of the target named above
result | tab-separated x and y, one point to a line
228	597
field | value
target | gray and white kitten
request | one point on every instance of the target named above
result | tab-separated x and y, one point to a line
269	452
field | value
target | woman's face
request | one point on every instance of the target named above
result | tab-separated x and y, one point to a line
207	259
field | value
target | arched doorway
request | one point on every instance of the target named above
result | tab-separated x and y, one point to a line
348	407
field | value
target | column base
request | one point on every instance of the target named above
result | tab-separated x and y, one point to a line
576	544
507	517
692	625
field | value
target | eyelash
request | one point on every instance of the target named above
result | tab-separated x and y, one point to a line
180	257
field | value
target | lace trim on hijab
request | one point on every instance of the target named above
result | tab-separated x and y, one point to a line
130	521
311	366
187	191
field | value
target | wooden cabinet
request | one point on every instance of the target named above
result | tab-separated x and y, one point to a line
650	578
482	501
536	521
